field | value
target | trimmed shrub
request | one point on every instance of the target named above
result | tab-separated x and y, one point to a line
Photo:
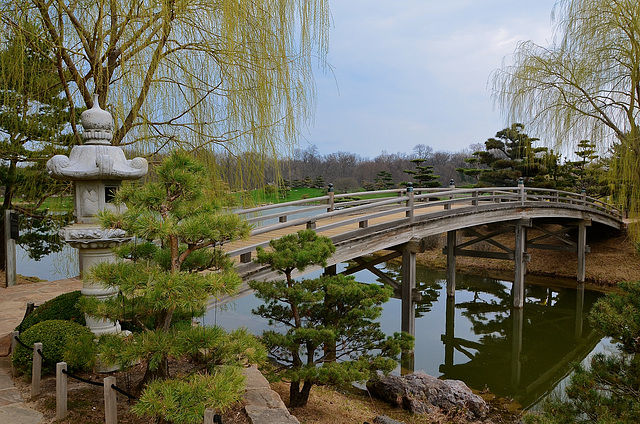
61	341
63	307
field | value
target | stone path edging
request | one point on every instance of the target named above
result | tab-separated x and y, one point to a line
263	405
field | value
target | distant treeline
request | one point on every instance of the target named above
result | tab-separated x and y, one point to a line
346	171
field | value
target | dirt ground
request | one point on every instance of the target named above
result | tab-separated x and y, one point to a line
326	405
612	259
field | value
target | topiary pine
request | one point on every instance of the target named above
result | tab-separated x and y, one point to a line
61	341
64	307
331	332
182	213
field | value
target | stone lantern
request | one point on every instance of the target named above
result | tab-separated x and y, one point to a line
97	169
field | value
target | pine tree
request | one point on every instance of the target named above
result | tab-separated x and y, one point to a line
33	117
511	155
162	289
383	180
331	333
588	172
423	174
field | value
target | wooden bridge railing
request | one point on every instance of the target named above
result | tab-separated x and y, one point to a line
339	210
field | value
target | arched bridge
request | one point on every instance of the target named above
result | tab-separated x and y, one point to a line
400	220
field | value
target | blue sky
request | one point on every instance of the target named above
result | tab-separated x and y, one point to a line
409	72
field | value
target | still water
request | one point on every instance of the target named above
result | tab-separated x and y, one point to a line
55	266
477	337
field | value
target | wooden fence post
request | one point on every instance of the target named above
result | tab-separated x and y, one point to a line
208	416
36	370
14	344
61	390
410	212
110	404
330	201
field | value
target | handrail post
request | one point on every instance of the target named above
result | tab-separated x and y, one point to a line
523	192
14	345
583	193
474	196
110	402
36	370
452	185
330	201
410	201
61	390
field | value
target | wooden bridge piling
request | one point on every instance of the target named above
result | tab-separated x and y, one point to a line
582	250
451	263
517	319
407	289
519	265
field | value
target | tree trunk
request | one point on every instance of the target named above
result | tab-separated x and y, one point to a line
299	398
6	204
162	372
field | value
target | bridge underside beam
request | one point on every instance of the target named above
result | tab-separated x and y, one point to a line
362	264
580	246
518	253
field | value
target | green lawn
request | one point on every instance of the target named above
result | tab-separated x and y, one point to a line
260	196
53	204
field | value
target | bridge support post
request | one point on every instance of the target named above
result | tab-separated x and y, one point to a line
451	263
579	311
517	319
408	286
582	250
520	265
449	332
330	270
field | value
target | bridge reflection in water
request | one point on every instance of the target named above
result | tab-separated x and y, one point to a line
477	337
522	353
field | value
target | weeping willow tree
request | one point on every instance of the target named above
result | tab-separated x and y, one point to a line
585	85
33	114
234	75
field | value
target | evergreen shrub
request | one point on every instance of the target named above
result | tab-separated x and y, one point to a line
61	341
64	307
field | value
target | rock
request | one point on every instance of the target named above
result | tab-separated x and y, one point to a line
421	393
5	345
383	419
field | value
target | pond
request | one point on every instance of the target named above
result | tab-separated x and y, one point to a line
55	266
477	337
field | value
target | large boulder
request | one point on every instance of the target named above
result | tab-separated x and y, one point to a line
421	393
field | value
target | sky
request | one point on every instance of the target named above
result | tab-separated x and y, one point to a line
408	72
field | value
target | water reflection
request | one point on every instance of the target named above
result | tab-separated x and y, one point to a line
521	353
477	337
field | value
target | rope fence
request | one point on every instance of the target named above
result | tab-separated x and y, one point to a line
62	375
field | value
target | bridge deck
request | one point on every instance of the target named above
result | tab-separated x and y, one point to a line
360	226
460	208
